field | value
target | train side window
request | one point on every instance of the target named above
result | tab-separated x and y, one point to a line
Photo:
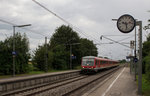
106	62
102	62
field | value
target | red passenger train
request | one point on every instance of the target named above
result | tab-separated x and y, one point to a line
93	64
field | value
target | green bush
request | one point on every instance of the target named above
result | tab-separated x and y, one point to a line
78	67
145	86
147	64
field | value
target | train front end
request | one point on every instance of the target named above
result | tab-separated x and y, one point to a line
88	64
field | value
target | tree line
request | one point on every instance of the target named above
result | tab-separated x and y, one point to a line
22	54
56	51
146	56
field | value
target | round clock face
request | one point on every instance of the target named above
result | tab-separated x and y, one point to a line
126	23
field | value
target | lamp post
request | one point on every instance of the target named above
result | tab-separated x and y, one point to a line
14	53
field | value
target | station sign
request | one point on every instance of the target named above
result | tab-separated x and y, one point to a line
73	57
135	60
13	53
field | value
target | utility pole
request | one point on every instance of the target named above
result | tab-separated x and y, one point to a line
14	51
46	55
139	23
70	56
131	59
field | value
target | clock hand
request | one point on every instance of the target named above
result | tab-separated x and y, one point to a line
126	25
123	22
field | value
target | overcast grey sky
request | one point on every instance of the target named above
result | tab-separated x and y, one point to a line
92	17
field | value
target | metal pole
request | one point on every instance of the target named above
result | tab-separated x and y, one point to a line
13	50
140	59
135	55
131	59
46	54
130	65
14	53
70	56
71	53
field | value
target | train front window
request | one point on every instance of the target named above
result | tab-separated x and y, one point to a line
88	62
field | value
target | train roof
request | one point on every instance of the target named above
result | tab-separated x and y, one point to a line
88	57
98	58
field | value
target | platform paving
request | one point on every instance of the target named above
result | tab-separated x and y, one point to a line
34	76
120	84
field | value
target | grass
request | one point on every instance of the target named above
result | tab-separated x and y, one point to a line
145	86
31	67
78	67
18	75
30	73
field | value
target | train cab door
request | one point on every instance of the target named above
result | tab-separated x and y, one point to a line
99	64
96	63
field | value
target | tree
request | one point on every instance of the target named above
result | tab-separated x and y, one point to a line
64	42
60	58
21	58
122	61
40	56
87	48
146	60
65	37
146	57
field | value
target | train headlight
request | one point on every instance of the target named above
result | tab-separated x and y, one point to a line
82	67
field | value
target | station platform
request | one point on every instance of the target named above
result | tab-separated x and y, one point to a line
34	76
119	84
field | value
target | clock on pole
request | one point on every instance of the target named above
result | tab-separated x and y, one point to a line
126	23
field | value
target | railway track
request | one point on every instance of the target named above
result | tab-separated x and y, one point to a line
94	80
13	85
71	86
92	83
